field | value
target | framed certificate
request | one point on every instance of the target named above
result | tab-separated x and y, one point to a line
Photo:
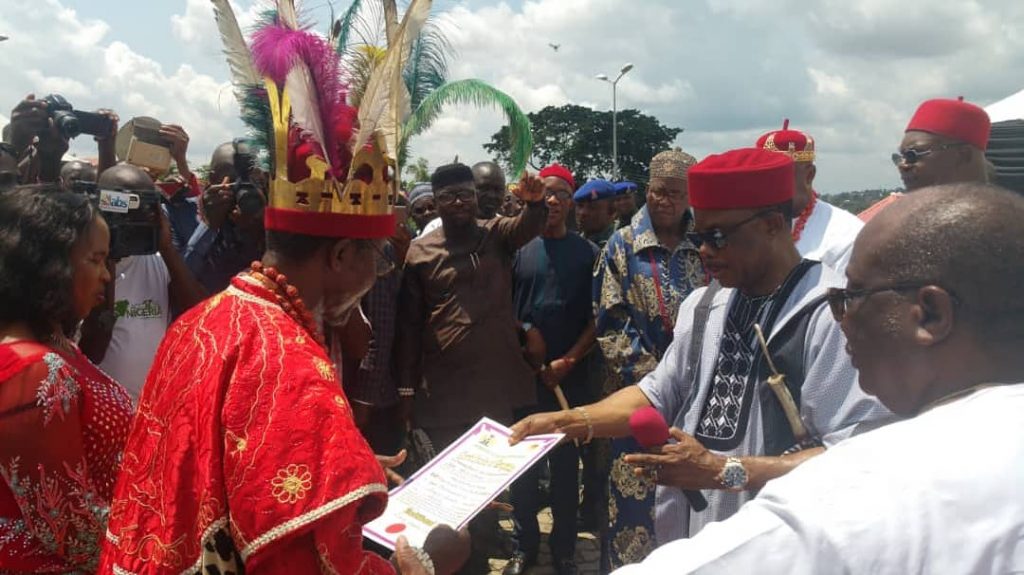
458	483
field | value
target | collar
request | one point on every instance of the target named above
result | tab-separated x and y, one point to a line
644	236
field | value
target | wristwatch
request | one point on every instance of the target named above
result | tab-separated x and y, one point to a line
733	476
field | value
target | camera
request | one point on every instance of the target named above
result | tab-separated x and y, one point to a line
247	195
71	122
132	216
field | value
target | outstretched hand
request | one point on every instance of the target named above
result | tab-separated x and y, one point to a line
536	424
685	464
530	188
389	462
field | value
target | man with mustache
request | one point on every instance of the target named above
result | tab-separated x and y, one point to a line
732	432
938	341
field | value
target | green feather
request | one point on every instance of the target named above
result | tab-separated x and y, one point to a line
480	94
256	116
427	68
347	20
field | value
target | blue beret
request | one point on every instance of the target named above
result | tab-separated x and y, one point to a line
623	188
595	190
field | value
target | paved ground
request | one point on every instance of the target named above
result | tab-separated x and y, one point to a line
588	550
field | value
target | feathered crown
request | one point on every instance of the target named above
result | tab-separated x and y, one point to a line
331	171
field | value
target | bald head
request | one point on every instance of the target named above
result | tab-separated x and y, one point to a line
125	177
222	163
967	238
77	170
489	179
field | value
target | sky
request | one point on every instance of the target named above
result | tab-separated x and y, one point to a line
848	72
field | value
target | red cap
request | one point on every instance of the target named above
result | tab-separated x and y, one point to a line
559	171
648	427
954	119
793	143
739	179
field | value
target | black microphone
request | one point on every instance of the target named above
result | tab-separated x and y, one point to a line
650	430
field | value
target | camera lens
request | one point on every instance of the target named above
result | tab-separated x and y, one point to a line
67	123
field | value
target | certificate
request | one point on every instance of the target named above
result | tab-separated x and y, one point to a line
457	484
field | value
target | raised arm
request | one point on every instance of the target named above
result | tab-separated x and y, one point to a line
517	231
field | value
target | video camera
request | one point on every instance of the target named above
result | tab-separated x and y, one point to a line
247	195
71	122
132	216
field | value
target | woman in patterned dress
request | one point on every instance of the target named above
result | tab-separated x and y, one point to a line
63	423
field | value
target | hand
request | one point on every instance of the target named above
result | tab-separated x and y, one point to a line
539	423
685	464
448	549
556	371
178	140
406	560
114	120
31	120
535	350
530	189
389	462
218	201
165	241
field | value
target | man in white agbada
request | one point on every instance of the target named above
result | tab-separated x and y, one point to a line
733	433
933	314
822	232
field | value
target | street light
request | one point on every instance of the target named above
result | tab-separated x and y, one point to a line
615	115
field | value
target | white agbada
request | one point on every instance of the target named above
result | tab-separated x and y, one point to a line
828	236
940	493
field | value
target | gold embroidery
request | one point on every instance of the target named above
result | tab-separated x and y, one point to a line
307	518
300	339
340	401
613	511
240	443
291	483
627	482
632	545
325	369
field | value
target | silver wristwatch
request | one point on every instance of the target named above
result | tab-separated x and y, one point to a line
734	475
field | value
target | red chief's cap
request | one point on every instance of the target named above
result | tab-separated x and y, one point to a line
561	172
793	143
954	119
740	179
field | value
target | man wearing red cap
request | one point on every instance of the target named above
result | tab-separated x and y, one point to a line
733	433
821	231
944	143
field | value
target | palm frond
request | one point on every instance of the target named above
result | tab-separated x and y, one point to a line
427	68
481	95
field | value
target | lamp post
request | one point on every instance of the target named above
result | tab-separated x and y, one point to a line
615	116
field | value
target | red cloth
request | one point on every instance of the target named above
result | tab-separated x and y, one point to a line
244	452
738	179
954	119
561	172
880	205
797	144
63	426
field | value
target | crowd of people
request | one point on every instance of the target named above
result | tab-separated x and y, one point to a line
239	397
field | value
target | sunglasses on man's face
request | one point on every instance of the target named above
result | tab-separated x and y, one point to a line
911	156
839	298
718	238
448	198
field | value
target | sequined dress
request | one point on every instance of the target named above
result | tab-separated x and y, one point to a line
63	426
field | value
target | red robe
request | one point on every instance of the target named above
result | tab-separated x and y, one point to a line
243	453
63	425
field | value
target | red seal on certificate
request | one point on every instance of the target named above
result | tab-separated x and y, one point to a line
395	528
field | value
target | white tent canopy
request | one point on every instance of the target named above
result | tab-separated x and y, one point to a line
1009	108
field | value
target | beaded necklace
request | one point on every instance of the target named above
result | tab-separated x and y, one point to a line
287	297
801	220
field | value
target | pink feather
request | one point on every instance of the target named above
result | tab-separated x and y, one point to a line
277	50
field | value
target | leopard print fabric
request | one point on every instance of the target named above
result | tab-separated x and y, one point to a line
220	557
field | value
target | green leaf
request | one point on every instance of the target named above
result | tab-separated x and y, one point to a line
481	95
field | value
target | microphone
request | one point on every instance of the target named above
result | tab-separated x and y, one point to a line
650	430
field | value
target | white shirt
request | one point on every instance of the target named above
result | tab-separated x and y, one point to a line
828	236
142	309
940	493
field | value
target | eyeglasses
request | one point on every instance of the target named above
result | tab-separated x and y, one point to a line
912	155
839	298
448	198
719	238
561	195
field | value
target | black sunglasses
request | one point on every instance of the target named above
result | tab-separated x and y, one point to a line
719	238
839	298
448	198
911	155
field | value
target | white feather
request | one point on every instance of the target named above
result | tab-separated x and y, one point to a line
385	103
243	72
306	104
287	13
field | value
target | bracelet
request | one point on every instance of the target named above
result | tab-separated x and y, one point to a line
424	558
589	422
406	392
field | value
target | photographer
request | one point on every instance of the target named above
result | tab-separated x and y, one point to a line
230	235
145	288
41	129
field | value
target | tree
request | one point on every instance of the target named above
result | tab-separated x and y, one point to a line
581	139
419	171
856	202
